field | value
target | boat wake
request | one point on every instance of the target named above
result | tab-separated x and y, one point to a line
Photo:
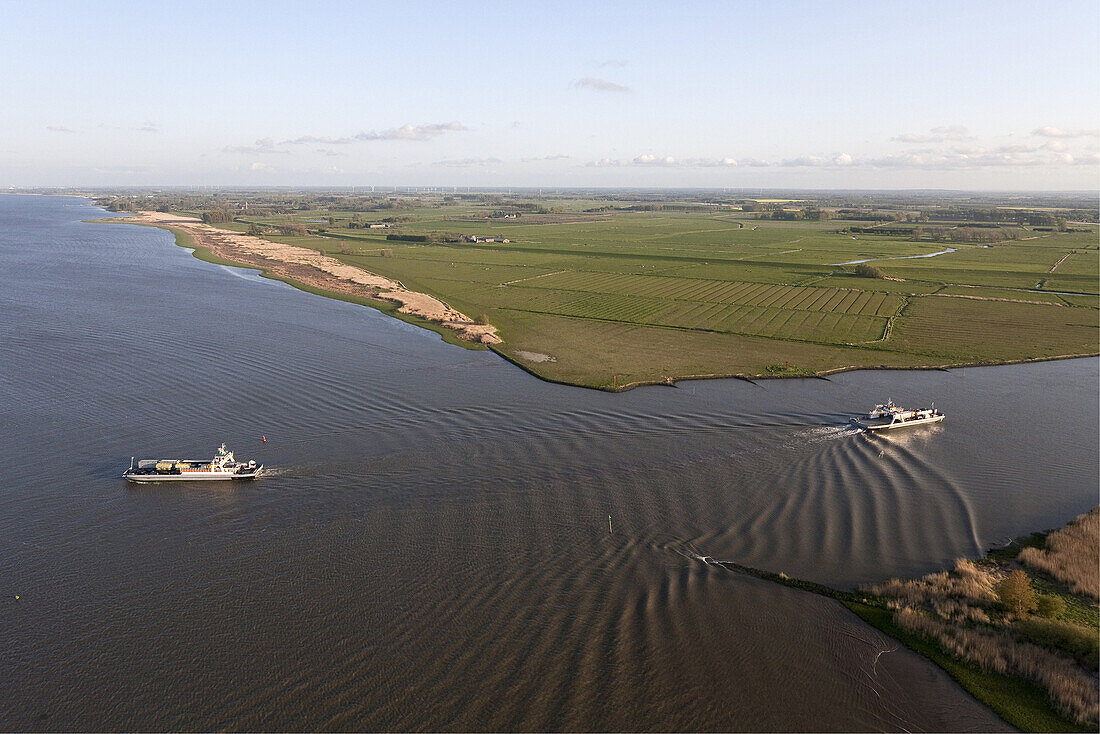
819	434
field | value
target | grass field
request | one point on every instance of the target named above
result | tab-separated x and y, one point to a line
621	297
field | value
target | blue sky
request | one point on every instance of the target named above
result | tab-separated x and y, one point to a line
981	95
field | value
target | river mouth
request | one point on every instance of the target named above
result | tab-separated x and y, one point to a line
429	548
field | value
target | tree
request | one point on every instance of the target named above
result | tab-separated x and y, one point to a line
217	216
867	270
1016	594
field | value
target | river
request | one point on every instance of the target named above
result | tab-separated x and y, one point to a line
431	548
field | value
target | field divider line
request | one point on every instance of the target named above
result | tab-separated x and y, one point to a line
747	258
705	330
1060	261
534	277
889	324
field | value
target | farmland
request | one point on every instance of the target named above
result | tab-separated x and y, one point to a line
608	295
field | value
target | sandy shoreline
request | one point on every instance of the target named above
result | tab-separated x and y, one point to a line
311	268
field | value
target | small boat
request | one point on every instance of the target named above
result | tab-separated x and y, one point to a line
889	416
222	466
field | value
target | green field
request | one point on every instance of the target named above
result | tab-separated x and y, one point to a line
620	297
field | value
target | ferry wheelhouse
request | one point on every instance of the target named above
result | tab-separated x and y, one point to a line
223	466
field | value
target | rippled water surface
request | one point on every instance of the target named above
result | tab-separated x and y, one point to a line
431	549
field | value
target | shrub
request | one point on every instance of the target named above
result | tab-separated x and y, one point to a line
482	319
867	270
1016	594
1051	606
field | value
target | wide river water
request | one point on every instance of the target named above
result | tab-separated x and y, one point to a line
431	548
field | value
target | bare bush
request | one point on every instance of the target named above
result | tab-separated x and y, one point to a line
1070	555
960	594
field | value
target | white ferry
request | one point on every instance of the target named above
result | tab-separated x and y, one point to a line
222	466
890	416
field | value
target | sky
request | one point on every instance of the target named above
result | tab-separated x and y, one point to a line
826	95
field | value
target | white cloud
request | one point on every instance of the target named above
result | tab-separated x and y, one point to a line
967	158
1087	159
726	162
654	160
599	85
469	162
59	129
413	132
803	161
149	127
665	161
953	158
263	145
1049	131
943	134
426	131
550	157
322	139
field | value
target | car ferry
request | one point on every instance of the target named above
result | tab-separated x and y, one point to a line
889	416
222	466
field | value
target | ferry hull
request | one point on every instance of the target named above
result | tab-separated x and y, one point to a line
193	477
869	425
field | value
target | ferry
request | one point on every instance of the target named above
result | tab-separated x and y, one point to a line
889	416
222	466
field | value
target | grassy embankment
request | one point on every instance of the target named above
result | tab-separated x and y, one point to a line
1030	655
631	297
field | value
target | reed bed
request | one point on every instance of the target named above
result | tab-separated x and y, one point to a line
1072	690
968	612
1071	554
962	594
